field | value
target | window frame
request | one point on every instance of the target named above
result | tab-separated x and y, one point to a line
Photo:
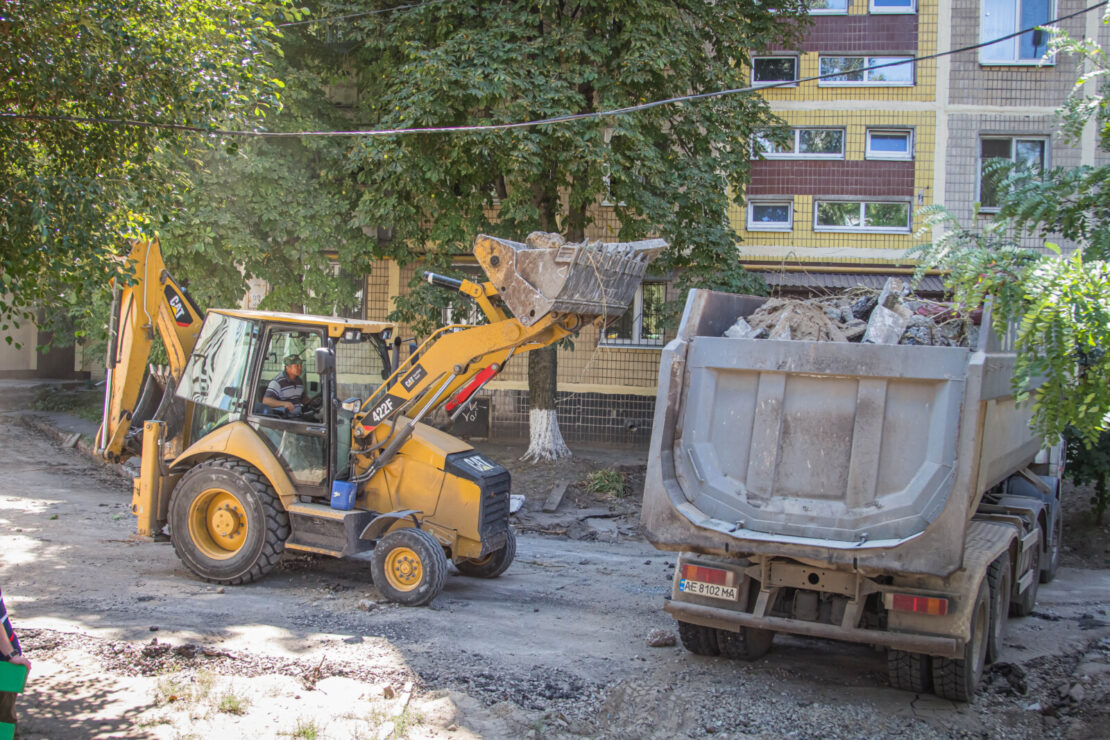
912	9
797	154
862	211
1015	25
886	156
636	341
770	226
778	83
828	82
1043	139
830	11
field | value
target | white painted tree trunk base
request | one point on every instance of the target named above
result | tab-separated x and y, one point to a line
545	441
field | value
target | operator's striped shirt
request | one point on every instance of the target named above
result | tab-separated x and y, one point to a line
284	388
8	628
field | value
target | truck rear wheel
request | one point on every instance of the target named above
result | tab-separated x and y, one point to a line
957	678
1023	606
698	639
409	567
747	644
1051	561
909	671
226	523
492	565
1000	581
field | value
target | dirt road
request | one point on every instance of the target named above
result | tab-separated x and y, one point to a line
556	647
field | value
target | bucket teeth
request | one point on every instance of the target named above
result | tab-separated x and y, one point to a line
548	275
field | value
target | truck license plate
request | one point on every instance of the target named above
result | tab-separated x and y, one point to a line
712	590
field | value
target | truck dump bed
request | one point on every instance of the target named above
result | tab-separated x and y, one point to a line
863	455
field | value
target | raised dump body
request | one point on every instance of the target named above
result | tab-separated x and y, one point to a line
809	484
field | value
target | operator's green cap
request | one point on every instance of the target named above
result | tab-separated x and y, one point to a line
293	360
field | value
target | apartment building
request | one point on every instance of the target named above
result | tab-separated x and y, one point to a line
837	201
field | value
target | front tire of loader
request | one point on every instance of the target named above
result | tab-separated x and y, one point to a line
409	566
227	524
492	565
957	678
698	639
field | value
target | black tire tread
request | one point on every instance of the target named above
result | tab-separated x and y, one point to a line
999	602
909	671
276	518
498	563
698	639
747	644
952	678
434	565
1026	602
1048	571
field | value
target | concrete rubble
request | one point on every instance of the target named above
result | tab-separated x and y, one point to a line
893	315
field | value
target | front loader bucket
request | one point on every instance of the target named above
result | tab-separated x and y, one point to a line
547	275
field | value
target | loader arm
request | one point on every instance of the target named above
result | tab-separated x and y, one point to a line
552	292
150	301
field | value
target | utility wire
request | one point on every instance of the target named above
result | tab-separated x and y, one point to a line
537	122
351	16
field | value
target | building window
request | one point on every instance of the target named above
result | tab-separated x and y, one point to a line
642	324
769	70
853	71
1022	152
771	216
804	143
893	6
828	7
1002	17
889	144
865	216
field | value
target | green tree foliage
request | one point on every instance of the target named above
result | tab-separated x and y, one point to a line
669	170
278	209
71	191
1060	303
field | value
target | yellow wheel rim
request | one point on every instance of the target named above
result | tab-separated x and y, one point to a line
403	569
217	524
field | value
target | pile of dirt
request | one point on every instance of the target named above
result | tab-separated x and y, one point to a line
890	316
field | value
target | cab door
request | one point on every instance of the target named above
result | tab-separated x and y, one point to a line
299	439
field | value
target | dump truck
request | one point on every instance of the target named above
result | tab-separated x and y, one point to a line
883	494
352	466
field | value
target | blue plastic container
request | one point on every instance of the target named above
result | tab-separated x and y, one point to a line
343	495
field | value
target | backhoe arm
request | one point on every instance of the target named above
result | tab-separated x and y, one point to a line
552	292
150	301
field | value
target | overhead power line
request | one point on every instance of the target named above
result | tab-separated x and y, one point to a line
352	16
553	120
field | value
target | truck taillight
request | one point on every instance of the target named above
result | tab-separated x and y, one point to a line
706	575
932	605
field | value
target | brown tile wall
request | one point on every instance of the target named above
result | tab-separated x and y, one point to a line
860	34
831	177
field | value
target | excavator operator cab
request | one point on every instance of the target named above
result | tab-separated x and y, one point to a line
243	358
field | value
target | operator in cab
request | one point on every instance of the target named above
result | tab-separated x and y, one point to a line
286	391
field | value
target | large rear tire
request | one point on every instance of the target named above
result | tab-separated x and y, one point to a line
909	671
1051	561
1000	581
1024	604
409	566
492	565
226	523
749	643
957	678
698	639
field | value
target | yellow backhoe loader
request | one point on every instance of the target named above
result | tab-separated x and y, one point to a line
352	468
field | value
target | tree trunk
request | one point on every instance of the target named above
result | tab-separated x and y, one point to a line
545	441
